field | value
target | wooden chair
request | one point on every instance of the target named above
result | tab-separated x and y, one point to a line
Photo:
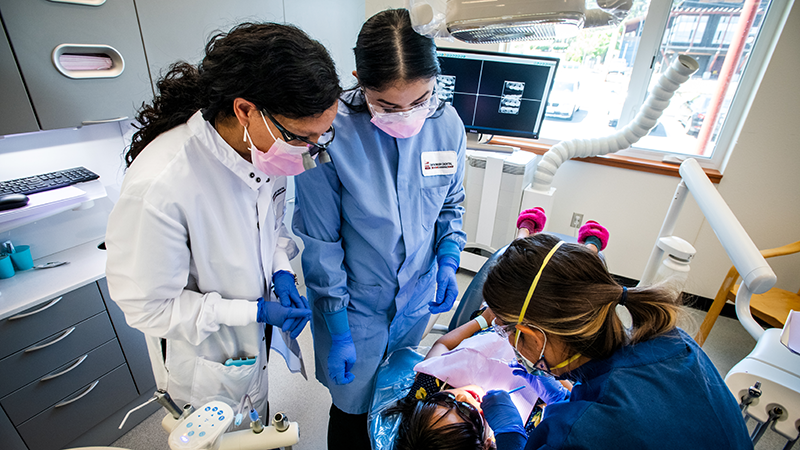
772	306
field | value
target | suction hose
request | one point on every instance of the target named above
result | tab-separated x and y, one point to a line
657	100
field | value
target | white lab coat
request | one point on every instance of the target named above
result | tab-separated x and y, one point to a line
192	243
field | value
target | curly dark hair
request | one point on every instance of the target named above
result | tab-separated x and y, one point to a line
276	67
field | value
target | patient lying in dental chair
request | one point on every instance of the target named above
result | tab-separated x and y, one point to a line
433	401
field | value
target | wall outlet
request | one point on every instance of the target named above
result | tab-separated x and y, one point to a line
577	220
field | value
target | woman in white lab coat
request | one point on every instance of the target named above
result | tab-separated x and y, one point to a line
198	255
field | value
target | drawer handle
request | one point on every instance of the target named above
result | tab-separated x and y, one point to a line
95	122
52	302
80	396
77	363
62	336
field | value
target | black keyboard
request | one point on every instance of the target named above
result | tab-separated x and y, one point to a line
47	181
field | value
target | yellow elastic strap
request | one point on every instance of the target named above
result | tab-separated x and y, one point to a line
566	363
533	285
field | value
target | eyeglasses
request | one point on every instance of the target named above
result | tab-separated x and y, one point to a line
431	104
464	409
504	331
322	143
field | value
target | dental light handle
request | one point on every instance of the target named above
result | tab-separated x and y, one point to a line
657	100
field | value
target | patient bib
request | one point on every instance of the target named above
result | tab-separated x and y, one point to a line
482	360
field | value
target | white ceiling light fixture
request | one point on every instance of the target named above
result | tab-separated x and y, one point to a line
489	21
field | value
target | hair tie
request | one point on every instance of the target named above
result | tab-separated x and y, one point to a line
624	298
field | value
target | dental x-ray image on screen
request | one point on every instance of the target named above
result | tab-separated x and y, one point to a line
496	93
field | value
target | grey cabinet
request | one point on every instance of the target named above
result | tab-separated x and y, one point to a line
177	30
70	366
50	38
15	108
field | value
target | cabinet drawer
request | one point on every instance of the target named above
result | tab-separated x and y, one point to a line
37	30
23	329
80	411
48	390
25	366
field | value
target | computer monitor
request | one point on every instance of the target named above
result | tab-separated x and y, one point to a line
496	93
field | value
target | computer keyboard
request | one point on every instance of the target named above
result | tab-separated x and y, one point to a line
47	181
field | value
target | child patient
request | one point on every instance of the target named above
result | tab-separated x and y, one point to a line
437	415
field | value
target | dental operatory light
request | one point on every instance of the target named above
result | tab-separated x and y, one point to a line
490	21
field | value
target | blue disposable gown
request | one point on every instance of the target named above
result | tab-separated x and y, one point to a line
372	220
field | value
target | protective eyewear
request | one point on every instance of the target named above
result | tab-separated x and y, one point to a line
503	330
430	105
464	409
322	143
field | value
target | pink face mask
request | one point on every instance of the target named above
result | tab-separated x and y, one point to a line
404	124
398	126
282	159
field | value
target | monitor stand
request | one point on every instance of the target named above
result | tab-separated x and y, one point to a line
474	144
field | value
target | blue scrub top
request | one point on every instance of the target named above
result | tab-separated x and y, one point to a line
660	394
372	220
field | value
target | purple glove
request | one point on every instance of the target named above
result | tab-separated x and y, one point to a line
501	414
548	388
287	319
446	286
593	233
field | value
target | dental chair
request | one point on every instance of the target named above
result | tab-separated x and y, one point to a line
767	381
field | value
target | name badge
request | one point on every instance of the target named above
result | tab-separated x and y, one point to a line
439	163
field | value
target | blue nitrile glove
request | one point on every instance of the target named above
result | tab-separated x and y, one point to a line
285	287
284	284
446	285
343	351
547	388
501	414
280	316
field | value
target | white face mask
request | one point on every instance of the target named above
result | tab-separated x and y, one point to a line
282	158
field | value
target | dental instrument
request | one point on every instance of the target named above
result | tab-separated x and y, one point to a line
516	389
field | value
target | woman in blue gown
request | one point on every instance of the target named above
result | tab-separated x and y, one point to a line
381	222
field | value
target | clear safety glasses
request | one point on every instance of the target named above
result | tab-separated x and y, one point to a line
322	143
504	331
429	105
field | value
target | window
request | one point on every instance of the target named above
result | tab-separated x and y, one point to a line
616	66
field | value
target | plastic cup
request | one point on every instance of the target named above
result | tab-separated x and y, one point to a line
22	257
6	267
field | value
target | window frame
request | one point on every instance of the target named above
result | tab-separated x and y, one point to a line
655	26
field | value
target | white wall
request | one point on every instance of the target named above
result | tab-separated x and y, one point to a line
760	184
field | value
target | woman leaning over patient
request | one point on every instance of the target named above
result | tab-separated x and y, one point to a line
646	387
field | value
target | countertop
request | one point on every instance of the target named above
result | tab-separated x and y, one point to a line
28	288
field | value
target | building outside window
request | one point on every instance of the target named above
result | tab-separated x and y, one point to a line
614	67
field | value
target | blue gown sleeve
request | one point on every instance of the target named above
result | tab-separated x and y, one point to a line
317	220
449	222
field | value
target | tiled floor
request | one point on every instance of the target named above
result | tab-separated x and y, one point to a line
308	402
